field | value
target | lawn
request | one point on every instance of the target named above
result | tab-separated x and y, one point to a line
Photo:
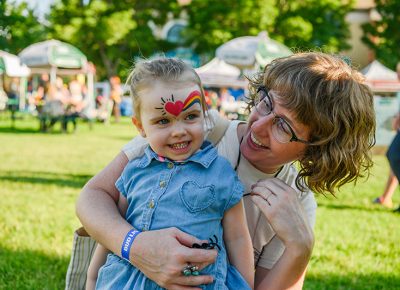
357	243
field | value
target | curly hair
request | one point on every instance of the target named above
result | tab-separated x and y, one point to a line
332	99
167	70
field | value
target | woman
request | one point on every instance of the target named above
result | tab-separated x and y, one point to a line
309	107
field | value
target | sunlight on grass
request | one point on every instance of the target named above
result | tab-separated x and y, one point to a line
357	243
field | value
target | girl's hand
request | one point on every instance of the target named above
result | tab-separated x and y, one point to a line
162	254
281	206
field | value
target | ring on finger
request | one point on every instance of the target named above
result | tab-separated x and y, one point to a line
190	270
186	271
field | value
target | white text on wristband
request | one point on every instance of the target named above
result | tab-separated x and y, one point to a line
127	244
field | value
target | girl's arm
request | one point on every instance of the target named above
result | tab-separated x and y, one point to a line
98	260
238	242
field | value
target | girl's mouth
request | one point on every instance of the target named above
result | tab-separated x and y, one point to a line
180	145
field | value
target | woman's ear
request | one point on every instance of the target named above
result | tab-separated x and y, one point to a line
139	126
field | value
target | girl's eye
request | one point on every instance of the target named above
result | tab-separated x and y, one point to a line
163	122
191	116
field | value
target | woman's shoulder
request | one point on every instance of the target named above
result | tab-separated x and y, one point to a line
135	148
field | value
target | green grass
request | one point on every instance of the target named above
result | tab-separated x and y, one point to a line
357	243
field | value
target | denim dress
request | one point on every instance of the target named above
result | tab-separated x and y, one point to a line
192	195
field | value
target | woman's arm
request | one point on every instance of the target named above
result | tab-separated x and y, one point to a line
282	208
160	255
238	242
97	206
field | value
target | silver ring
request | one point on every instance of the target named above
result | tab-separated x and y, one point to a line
190	270
186	271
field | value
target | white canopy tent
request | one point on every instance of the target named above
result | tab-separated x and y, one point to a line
384	83
380	78
217	73
11	66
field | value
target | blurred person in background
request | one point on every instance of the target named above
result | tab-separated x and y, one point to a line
393	156
116	95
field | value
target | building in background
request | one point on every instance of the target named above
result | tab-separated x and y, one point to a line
363	12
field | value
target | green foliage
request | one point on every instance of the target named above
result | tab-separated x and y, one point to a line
302	25
212	23
19	27
110	33
113	33
311	24
383	35
357	243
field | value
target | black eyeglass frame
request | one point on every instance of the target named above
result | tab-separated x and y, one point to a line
294	138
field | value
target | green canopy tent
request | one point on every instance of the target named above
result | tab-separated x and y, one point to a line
54	57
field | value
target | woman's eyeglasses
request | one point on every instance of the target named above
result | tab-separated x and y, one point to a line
281	129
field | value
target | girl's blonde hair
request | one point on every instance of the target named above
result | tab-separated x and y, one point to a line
168	70
330	97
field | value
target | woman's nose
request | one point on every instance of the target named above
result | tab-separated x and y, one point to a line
262	124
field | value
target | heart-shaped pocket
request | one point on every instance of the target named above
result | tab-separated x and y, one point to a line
195	197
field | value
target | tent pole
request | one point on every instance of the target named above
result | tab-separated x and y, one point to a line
53	75
22	92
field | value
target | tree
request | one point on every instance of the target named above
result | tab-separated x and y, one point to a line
302	25
383	36
311	24
19	27
110	33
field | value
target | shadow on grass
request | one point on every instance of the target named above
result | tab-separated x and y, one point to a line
35	177
372	208
352	281
16	130
31	270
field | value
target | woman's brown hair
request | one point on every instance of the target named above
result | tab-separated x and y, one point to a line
332	99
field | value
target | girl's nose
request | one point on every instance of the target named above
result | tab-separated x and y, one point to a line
178	130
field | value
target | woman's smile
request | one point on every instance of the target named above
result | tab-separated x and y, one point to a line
255	140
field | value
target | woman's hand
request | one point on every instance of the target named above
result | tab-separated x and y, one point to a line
162	254
281	206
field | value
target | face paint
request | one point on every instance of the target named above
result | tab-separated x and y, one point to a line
175	108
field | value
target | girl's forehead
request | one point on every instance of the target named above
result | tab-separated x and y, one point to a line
161	90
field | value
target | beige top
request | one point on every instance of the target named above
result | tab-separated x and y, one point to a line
267	247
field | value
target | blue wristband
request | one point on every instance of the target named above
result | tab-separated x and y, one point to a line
127	244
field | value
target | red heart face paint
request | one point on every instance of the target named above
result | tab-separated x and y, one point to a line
175	108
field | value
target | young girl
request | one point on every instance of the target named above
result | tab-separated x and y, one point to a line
180	181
